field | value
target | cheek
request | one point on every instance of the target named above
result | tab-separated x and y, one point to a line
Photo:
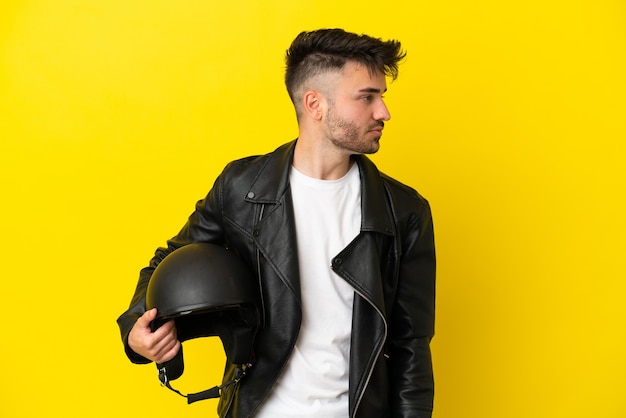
353	114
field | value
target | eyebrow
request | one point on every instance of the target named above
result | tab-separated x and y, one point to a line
371	90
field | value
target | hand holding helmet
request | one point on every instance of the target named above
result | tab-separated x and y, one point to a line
199	290
159	346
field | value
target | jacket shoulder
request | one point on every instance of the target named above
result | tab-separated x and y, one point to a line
250	167
239	174
403	195
244	165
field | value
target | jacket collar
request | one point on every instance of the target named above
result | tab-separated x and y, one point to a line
272	183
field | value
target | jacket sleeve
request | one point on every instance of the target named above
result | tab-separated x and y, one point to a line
413	318
204	225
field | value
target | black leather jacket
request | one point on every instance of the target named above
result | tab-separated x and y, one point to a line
390	265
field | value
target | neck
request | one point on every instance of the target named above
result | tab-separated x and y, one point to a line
315	160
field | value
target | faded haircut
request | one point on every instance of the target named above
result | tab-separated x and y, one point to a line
319	51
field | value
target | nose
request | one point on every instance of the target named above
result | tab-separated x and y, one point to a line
382	112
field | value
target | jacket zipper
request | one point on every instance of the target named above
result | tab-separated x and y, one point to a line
380	349
262	309
258	269
258	261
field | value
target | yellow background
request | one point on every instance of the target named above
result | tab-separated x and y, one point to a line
509	116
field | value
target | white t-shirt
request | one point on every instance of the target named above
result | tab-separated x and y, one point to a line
315	381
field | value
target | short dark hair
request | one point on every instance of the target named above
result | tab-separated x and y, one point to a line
314	52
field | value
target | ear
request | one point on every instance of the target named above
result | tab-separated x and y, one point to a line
312	103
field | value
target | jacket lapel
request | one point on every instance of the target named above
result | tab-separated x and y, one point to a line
361	261
276	221
374	209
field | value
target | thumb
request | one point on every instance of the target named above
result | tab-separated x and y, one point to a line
147	317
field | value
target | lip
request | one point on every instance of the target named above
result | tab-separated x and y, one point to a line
378	129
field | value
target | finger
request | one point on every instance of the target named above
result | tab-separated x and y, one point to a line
168	328
148	316
162	340
162	350
168	353
155	349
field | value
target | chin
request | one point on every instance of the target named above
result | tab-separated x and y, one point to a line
371	150
375	146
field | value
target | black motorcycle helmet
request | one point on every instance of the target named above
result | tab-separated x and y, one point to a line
208	291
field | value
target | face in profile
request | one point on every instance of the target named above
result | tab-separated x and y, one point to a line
356	112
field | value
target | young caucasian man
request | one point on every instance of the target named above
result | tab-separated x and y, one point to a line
344	255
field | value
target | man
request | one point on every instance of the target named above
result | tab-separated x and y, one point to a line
344	254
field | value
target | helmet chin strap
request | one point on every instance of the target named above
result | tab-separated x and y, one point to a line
214	392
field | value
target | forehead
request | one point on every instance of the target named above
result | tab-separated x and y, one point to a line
356	76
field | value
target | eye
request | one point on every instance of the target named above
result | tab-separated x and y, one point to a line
367	98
